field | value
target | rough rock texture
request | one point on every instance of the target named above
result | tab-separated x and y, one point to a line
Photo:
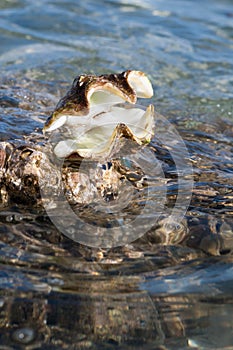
28	171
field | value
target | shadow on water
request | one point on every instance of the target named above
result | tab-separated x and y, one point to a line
170	289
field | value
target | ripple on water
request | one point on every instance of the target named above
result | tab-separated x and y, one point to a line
58	294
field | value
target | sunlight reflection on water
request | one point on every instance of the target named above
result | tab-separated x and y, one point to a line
56	294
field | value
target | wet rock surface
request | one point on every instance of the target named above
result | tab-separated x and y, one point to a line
99	289
27	164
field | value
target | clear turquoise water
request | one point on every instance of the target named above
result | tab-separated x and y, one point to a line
50	297
184	46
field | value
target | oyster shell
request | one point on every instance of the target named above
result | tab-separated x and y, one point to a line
98	111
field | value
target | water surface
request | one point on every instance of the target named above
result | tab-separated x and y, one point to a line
56	294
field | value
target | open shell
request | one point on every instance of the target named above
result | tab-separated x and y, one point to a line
98	111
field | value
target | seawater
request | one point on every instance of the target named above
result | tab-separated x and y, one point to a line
56	295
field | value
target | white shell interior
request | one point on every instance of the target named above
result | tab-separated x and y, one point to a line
94	134
102	133
57	123
141	84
